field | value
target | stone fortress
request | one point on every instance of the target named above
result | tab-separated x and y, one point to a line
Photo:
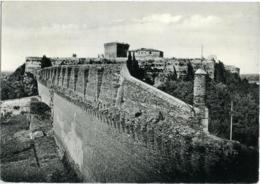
116	128
119	51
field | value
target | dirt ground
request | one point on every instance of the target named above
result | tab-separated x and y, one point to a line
28	150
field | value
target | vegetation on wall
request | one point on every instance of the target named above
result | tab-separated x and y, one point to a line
45	62
18	84
220	92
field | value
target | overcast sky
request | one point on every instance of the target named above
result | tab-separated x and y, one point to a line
231	31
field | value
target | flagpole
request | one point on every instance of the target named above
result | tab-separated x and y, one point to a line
231	120
1	19
201	51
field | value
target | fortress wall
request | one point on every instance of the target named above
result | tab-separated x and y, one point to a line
58	76
71	79
123	130
91	85
63	71
101	152
105	84
109	85
76	77
55	75
65	80
139	96
106	149
44	93
80	82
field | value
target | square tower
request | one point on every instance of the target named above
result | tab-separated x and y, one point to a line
115	50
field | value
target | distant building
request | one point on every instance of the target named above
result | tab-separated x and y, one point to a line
32	64
232	69
207	64
65	60
147	53
209	67
115	50
181	67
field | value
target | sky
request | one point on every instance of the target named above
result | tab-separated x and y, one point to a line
231	31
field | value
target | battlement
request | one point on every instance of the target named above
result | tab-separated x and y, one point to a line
107	85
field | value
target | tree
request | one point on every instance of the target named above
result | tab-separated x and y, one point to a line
129	61
190	73
219	75
18	84
244	95
180	89
174	74
245	118
45	62
218	103
133	67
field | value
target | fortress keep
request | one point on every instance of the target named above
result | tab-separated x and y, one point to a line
115	50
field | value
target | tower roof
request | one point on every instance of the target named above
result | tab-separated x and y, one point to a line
200	72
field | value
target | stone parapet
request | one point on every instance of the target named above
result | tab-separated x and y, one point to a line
102	85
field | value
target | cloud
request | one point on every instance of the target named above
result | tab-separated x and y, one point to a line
168	21
153	23
193	21
159	18
199	21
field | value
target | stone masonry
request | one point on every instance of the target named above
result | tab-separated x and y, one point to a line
116	128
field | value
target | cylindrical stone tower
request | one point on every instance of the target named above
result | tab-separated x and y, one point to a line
199	99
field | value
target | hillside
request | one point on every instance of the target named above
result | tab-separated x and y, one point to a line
18	84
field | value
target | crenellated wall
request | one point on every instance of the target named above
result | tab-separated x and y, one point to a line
115	128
